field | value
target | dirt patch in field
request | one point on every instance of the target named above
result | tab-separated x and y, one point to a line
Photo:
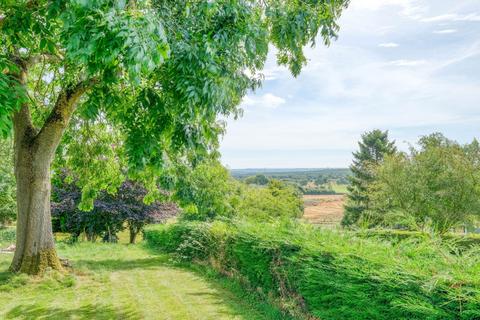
323	209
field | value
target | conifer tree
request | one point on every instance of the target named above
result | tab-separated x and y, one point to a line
373	147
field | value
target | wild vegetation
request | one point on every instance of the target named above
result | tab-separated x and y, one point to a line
433	188
331	274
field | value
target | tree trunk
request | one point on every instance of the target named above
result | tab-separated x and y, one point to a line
35	247
34	153
133	234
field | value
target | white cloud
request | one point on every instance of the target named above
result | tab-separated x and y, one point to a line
388	45
427	83
445	31
409	8
407	63
453	17
267	100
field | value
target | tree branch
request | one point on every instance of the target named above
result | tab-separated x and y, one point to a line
51	133
44	57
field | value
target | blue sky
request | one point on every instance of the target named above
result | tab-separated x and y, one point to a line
410	67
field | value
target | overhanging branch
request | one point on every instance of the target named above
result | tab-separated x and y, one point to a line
49	136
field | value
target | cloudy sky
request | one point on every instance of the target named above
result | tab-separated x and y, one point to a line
409	66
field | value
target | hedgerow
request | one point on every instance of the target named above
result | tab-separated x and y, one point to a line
334	275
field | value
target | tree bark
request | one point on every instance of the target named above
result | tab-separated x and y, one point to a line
34	153
35	247
133	234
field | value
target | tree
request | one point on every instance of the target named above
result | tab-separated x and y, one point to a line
434	187
153	75
109	213
259	179
136	213
7	183
277	200
373	147
206	192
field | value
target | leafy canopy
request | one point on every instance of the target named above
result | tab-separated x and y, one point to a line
158	74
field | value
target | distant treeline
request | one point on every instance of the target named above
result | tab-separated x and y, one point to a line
310	181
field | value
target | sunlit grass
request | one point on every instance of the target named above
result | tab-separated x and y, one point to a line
118	281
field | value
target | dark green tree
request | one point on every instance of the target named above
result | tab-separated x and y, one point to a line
259	179
373	147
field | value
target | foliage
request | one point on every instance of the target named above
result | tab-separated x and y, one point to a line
434	187
331	274
276	200
161	72
109	214
205	192
258	179
460	241
373	147
209	192
7	183
7	235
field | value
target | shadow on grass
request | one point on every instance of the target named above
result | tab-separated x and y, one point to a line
86	312
122	264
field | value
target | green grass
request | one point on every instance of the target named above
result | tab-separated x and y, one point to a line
339	188
118	281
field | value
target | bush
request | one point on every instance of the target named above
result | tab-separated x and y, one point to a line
334	275
110	212
7	235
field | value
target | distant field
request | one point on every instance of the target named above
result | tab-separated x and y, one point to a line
323	209
308	181
339	188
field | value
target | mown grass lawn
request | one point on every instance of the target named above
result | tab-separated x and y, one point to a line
117	281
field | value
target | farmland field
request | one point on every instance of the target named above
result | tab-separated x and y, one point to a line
324	209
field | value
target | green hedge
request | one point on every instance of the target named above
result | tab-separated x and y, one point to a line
334	275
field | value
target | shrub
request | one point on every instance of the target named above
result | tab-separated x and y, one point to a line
110	212
331	274
7	235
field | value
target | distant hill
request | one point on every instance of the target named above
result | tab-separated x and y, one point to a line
309	180
281	172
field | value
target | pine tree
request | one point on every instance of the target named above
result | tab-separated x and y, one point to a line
373	146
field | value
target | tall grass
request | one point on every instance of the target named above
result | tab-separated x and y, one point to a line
332	274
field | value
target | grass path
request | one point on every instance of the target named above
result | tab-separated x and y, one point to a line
121	282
